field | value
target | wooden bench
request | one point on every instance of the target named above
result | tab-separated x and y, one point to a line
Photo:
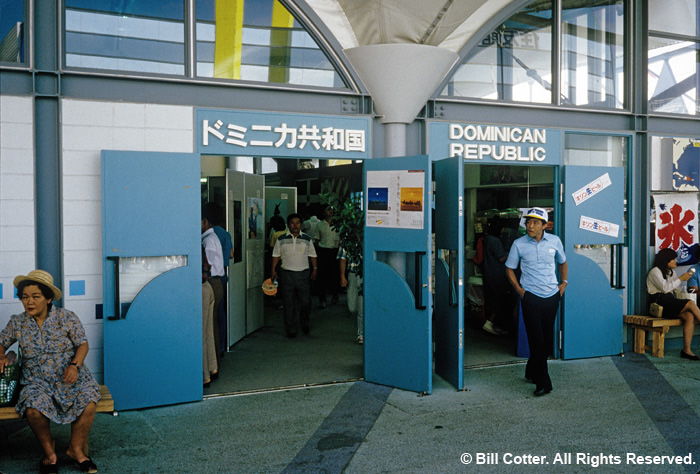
105	405
658	326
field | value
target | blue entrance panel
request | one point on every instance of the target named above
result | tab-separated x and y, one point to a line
449	271
397	273
151	278
593	231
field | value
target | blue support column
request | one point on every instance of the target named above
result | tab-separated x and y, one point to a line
47	142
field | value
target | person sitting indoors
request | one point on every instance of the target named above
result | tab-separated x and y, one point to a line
693	284
661	282
57	386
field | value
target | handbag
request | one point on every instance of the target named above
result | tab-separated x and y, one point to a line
9	384
656	310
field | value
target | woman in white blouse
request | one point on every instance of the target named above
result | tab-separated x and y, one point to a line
661	282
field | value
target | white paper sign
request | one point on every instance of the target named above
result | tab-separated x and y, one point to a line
601	227
396	199
591	189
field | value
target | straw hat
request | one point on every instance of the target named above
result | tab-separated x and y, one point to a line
39	276
269	287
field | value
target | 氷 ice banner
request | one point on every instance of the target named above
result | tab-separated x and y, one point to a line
676	224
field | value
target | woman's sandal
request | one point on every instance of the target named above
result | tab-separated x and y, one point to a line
87	466
48	468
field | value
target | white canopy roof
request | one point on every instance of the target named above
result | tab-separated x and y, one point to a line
447	24
403	49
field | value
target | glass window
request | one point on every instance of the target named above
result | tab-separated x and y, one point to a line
593	46
512	63
244	163
12	31
268	166
673	76
678	17
584	149
144	37
256	40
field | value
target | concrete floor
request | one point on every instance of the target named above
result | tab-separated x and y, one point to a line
602	411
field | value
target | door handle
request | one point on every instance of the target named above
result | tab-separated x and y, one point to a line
117	307
452	293
616	267
419	280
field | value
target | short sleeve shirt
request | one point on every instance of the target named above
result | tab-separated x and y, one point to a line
538	263
327	237
294	252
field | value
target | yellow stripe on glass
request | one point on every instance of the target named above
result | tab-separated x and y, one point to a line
229	39
280	43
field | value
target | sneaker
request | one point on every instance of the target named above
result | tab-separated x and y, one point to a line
490	328
360	340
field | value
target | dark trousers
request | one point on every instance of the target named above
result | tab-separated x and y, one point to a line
539	315
218	288
296	297
328	273
500	301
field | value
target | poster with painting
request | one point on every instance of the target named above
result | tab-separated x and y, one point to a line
256	225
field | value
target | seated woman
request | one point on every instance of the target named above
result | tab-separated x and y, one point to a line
661	282
56	385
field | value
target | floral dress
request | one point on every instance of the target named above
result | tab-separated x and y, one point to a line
46	352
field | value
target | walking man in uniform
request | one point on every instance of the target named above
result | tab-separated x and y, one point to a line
538	254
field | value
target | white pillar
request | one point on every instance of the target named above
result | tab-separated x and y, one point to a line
395	139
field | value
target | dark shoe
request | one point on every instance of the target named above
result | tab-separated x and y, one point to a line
306	331
542	391
323	305
87	466
215	375
334	300
48	468
291	335
688	356
207	384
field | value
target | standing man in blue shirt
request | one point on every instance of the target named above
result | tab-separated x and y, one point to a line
537	253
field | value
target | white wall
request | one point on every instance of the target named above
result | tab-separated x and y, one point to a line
88	128
17	235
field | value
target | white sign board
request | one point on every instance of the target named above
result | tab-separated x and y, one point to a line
591	189
599	226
